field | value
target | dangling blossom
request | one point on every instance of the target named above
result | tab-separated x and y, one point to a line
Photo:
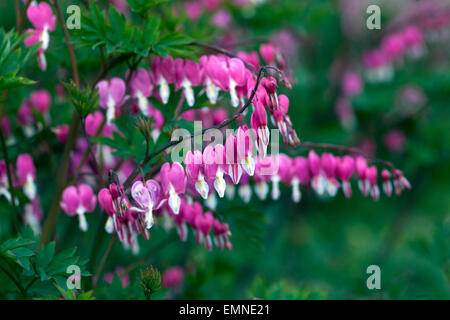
261	177
112	95
237	72
371	176
141	88
244	142
78	201
232	159
173	182
61	132
301	175
258	122
400	182
163	73
328	164
209	65
188	74
345	167
363	183
26	173
41	100
214	167
43	20
194	172
147	197
387	185
26	119
33	215
203	224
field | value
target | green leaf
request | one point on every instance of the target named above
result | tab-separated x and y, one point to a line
45	255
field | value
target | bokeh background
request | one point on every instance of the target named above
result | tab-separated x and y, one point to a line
321	247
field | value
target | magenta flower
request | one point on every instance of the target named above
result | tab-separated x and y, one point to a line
209	65
301	176
328	163
163	73
26	119
258	122
173	182
43	20
351	84
400	182
93	122
345	167
33	215
237	78
244	142
371	176
387	185
232	159
26	173
267	51
188	74
173	277
61	132
203	224
363	183
147	197
41	100
141	88
78	201
112	95
194	171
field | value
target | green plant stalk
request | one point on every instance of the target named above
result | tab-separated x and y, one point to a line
53	214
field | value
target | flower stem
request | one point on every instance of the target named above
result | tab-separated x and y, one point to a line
53	214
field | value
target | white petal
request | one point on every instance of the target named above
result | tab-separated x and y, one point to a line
261	190
219	183
245	192
82	223
201	186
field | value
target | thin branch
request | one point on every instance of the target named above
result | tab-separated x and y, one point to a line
224	52
103	261
17	12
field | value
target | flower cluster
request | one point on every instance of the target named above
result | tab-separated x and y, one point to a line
43	21
393	48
